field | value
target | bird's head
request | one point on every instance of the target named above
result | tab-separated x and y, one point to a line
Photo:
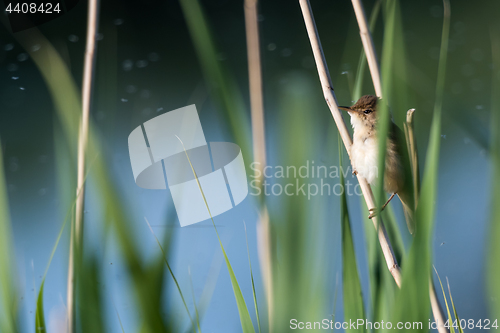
364	111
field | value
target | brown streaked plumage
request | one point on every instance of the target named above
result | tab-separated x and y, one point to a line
364	153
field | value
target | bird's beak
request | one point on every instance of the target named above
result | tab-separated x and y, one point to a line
346	108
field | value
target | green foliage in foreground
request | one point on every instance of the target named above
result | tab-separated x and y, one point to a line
297	224
8	301
222	85
413	299
494	260
353	297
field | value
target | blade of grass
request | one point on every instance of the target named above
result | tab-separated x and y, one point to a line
383	289
39	313
90	306
435	137
416	273
494	244
7	285
384	120
353	297
460	329
173	277
194	299
118	316
450	318
385	297
223	86
299	223
209	287
396	91
40	316
246	321
251	276
335	294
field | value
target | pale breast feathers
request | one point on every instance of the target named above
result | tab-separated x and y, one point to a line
364	157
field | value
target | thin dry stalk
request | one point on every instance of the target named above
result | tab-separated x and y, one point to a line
436	308
368	46
255	82
326	84
77	230
259	143
265	261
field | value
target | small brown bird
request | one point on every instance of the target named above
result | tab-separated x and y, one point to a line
364	154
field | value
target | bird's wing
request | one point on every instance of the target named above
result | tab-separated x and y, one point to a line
406	194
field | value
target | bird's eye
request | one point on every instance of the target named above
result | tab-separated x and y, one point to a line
367	111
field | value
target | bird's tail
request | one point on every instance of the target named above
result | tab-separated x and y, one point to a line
408	211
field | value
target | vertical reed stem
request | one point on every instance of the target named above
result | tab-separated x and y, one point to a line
259	144
255	82
368	46
77	228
